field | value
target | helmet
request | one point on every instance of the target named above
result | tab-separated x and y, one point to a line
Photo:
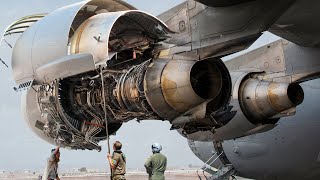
156	147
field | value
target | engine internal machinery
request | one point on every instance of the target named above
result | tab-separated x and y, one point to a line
73	107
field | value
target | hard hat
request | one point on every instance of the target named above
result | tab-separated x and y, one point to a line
156	147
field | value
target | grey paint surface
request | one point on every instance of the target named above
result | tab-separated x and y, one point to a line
289	151
299	24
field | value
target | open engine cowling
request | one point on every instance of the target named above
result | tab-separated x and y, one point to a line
83	55
60	61
104	58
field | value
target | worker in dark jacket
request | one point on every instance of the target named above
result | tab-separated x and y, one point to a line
117	162
156	164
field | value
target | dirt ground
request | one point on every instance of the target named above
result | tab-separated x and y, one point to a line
175	175
139	177
169	176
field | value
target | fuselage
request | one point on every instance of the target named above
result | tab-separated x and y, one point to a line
289	151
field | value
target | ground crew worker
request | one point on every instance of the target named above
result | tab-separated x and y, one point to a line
117	162
51	170
156	164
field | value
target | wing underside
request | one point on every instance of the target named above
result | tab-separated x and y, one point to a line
298	24
222	3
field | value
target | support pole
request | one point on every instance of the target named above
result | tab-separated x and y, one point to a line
105	115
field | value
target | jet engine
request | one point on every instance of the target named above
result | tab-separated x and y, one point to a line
261	95
91	66
97	64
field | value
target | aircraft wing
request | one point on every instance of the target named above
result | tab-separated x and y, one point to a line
299	24
221	3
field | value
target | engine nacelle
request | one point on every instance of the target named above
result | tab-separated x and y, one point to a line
173	87
261	100
103	58
256	106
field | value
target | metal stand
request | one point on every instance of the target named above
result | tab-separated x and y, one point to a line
224	173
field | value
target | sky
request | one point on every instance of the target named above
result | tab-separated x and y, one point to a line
21	149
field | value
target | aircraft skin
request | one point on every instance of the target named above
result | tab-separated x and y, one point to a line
110	63
289	151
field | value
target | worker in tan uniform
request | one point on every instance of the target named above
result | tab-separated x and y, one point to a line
117	162
51	170
156	164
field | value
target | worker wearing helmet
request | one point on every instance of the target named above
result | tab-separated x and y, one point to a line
156	164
